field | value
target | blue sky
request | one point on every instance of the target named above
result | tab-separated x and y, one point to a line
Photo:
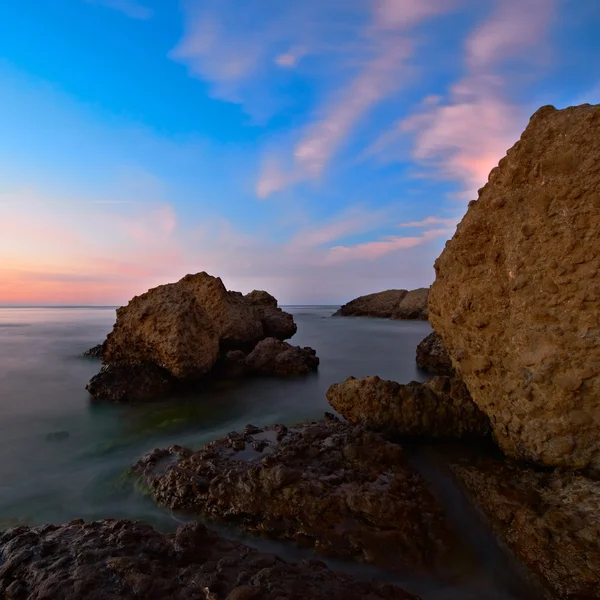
317	149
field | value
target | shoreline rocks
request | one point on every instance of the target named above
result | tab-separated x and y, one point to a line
440	408
178	334
550	520
516	298
338	488
125	560
433	357
390	304
95	352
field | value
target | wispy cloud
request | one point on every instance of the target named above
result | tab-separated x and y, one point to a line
464	137
131	8
428	221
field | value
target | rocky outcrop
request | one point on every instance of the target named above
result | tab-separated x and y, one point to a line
110	560
193	328
339	488
413	305
168	327
276	322
391	304
273	357
433	357
440	408
551	521
95	352
517	293
131	382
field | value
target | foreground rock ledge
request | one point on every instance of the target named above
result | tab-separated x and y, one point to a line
517	293
339	488
391	304
124	560
550	520
440	408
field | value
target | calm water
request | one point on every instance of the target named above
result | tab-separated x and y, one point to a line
63	456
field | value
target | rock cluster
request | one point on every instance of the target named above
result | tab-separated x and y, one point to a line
517	292
551	520
433	357
391	304
182	332
336	487
440	408
124	560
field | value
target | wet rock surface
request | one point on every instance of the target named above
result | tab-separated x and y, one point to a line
329	485
440	408
131	382
390	304
551	521
274	357
433	357
517	293
125	560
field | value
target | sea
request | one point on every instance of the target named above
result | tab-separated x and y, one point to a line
65	456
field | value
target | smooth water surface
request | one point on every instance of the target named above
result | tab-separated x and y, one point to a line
65	457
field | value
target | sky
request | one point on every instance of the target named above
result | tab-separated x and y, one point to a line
318	149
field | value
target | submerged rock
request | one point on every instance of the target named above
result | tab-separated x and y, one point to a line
339	488
95	352
391	304
273	357
551	521
433	357
440	408
517	293
131	382
124	560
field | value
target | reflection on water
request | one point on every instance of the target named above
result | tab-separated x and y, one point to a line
64	457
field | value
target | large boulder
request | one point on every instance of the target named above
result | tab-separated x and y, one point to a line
391	304
551	521
440	408
433	357
166	326
274	357
342	489
517	294
189	329
124	560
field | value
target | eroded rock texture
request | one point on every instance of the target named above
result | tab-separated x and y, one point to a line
131	382
273	357
193	328
550	520
440	408
433	357
95	352
391	304
110	560
166	326
339	488
517	294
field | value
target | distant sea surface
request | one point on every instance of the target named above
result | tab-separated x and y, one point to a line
64	456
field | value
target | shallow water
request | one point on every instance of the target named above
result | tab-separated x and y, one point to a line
64	456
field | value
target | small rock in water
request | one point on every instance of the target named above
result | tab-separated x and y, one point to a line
95	352
57	436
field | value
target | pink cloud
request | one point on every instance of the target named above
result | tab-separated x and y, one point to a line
402	14
427	221
464	138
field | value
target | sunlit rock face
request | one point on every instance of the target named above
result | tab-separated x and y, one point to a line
517	293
